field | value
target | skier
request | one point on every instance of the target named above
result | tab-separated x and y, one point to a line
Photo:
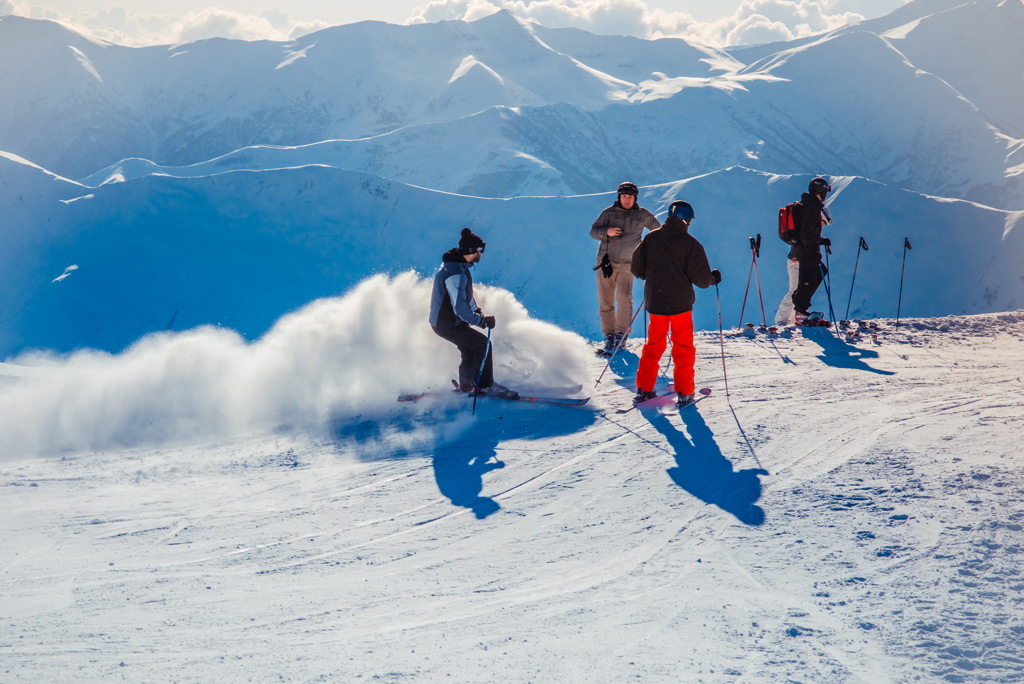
804	266
453	310
618	228
671	261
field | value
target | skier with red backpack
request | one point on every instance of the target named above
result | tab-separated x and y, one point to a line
800	225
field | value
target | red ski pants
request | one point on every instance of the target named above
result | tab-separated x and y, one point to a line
683	353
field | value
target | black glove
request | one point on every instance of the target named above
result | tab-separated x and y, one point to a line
488	322
716	277
824	242
605	266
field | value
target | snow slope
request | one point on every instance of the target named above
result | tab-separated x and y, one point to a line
241	249
854	513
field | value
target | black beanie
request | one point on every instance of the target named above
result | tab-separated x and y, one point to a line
469	243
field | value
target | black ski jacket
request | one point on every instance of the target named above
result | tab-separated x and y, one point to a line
808	246
671	262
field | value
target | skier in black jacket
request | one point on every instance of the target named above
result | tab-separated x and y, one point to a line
453	310
805	255
671	261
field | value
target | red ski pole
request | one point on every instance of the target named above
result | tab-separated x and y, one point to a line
747	291
756	247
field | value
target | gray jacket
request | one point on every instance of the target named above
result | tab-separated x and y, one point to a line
632	221
451	301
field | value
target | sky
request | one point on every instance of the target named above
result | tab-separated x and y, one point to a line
713	22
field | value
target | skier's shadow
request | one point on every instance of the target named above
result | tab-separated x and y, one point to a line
625	365
839	354
459	470
461	463
705	473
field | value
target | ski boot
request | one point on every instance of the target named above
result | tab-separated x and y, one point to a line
499	392
642	396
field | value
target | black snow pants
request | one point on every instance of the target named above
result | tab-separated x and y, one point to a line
472	345
810	276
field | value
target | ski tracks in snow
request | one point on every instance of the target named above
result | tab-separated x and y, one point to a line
845	515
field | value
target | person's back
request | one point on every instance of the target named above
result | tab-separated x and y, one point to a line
671	262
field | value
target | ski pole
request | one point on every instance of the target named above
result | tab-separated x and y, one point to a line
476	387
747	291
721	341
862	245
668	364
906	246
757	278
616	350
828	293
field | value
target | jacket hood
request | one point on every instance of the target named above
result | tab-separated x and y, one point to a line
453	255
675	224
808	198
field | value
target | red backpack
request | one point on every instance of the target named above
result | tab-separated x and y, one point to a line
789	223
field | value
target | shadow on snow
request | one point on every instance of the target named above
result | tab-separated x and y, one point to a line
839	354
460	463
705	472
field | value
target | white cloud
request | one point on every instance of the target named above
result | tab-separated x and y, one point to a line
124	27
217	23
754	21
302	28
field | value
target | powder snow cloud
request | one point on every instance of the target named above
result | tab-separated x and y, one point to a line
334	362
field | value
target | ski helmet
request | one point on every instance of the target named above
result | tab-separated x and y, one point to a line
681	210
819	186
628	188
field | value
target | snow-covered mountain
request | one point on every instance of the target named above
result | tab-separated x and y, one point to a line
215	263
183	104
313	176
241	248
575	113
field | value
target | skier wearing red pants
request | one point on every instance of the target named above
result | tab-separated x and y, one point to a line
671	262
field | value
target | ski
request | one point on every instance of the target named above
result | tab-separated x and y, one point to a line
675	408
558	401
653	401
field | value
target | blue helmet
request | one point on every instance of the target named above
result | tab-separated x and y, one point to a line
682	210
